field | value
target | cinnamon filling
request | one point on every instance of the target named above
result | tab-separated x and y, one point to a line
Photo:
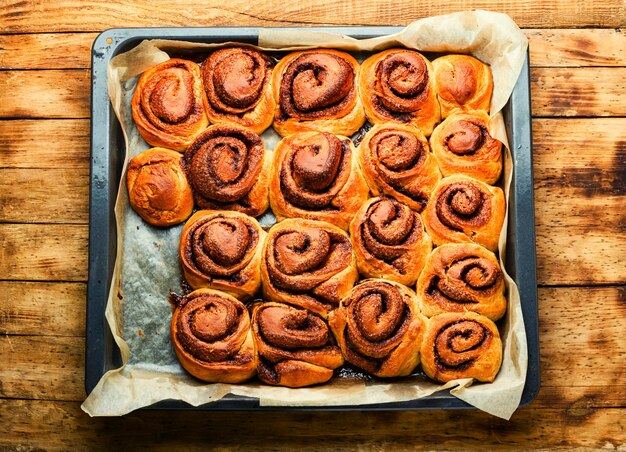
463	204
459	344
224	163
314	170
235	78
317	85
465	137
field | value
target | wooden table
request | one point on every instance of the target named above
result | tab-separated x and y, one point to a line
578	76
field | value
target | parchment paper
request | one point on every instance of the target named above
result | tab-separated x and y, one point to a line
147	267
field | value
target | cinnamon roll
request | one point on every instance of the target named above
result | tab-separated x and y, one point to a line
169	104
237	82
461	345
157	187
389	241
398	85
465	210
309	264
212	338
228	168
461	277
462	82
462	144
222	250
317	90
294	345
379	328
396	161
316	175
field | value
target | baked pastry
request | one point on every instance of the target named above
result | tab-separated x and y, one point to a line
461	277
462	144
294	345
461	345
379	328
169	104
228	168
395	161
237	82
211	335
398	85
157	187
317	90
462	82
315	175
222	250
309	264
389	241
465	210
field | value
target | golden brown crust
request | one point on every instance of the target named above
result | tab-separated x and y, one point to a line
212	337
398	85
395	161
462	144
294	345
317	90
461	345
379	328
169	104
315	175
309	264
222	250
460	277
157	187
238	86
389	241
228	168
463	82
465	210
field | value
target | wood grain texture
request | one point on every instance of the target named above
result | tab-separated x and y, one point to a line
42	309
31	16
44	196
548	48
46	50
580	194
62	425
42	367
35	252
45	94
53	143
573	48
578	91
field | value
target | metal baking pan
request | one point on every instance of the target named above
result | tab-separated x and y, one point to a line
107	151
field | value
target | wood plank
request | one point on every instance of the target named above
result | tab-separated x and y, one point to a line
62	425
573	48
46	51
44	196
74	15
580	194
54	143
578	91
42	367
37	252
579	328
548	48
42	309
45	94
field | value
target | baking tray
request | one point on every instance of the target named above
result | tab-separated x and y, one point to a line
107	154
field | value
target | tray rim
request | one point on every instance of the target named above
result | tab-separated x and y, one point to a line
98	338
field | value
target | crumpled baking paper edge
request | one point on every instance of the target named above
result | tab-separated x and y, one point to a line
491	37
